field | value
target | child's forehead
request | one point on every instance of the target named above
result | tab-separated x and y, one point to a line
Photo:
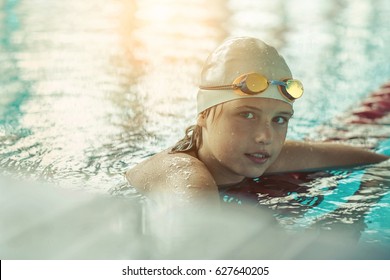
260	104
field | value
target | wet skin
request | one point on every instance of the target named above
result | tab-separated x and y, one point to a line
244	138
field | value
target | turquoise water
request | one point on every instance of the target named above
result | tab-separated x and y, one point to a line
90	88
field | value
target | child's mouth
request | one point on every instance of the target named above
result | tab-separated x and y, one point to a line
258	157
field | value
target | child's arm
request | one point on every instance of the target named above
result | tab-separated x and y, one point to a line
301	156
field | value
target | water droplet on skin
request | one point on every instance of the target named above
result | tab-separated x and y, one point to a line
187	175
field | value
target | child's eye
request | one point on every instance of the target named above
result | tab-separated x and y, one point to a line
281	120
248	115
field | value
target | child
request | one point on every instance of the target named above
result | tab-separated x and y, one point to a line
245	102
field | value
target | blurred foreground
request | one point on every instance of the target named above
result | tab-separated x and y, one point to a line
46	222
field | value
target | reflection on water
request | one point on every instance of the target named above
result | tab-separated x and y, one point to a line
89	88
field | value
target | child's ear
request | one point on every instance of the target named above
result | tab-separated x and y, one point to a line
201	121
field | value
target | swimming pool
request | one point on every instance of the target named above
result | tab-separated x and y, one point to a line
90	88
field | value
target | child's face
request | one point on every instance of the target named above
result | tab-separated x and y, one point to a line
245	138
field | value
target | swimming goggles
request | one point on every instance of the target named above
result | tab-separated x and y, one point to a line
254	83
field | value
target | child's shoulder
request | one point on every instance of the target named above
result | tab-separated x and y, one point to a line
168	161
166	170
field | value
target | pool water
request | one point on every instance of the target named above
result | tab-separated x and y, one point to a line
90	88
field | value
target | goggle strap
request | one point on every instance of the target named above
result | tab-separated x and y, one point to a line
277	83
234	86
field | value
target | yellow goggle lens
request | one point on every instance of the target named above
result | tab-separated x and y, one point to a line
294	88
255	83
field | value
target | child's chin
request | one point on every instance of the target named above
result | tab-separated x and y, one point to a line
254	174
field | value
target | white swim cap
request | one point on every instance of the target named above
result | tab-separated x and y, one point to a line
235	57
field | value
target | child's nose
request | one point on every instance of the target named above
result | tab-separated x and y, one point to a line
264	134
